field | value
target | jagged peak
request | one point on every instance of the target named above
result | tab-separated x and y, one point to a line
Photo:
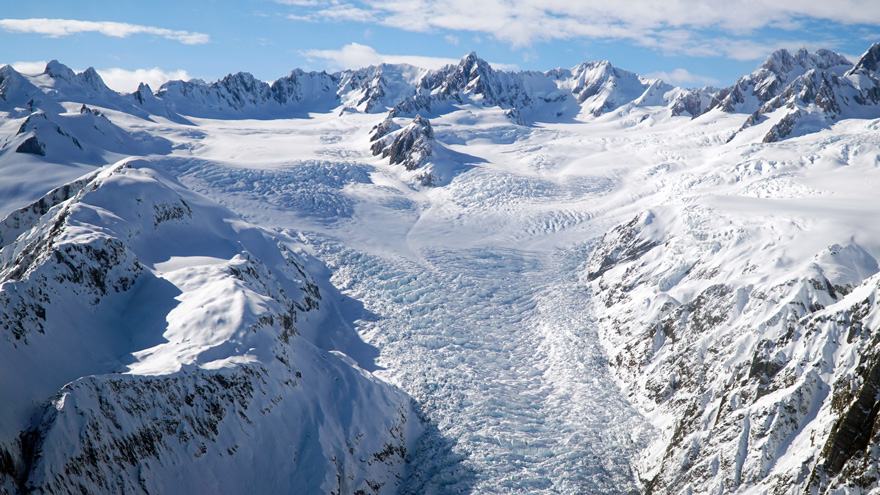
869	61
472	61
470	57
605	64
239	76
143	93
90	77
601	69
782	62
244	80
301	72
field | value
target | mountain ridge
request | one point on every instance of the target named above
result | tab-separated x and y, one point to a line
596	87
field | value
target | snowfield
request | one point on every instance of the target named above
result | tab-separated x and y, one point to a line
394	280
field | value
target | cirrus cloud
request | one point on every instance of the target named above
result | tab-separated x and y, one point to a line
65	27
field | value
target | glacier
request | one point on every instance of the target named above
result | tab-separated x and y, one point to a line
462	280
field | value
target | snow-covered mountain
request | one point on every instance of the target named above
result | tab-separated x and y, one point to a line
150	329
461	280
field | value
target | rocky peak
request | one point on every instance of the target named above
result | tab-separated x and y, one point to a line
596	66
410	146
243	88
300	85
475	66
600	87
472	75
382	129
177	85
235	92
367	88
826	59
92	80
244	80
781	68
143	93
782	62
869	62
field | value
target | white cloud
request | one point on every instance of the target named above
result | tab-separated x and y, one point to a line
452	40
30	68
65	27
127	81
522	22
346	12
682	27
682	77
356	55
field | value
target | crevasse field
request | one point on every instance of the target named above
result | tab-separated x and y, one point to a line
472	301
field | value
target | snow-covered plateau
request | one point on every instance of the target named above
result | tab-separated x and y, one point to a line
464	280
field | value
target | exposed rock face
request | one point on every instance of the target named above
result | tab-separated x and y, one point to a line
780	69
733	362
243	94
474	75
381	130
783	128
689	102
600	87
410	146
32	146
472	80
36	126
825	90
300	86
869	62
374	89
622	244
143	93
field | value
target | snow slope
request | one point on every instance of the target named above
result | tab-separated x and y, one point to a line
166	332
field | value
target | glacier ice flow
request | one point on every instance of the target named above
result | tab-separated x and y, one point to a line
477	310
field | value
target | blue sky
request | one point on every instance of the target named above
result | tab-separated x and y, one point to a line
688	42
